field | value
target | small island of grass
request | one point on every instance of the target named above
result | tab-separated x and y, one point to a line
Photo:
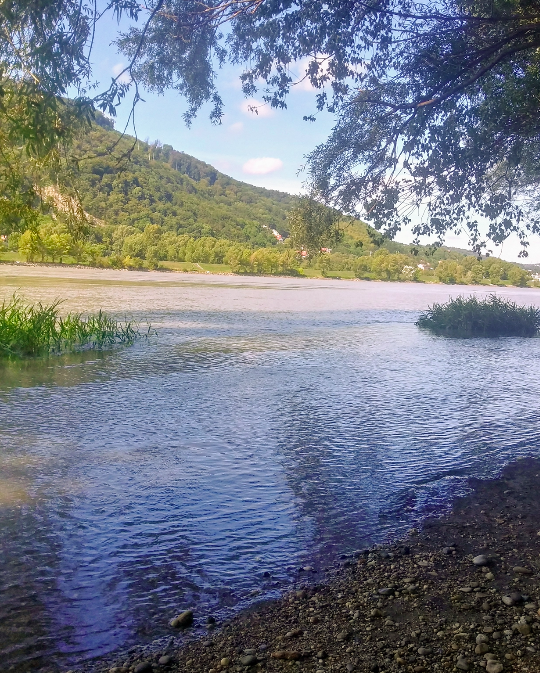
32	330
492	316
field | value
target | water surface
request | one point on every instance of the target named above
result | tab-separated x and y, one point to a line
270	424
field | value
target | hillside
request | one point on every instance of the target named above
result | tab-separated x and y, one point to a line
140	183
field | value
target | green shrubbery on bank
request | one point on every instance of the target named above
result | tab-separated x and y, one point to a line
490	317
152	247
27	330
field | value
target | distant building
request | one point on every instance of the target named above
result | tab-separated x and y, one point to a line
424	266
278	236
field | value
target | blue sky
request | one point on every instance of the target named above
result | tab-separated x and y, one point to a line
266	149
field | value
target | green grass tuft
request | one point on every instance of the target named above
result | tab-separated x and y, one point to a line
30	330
489	317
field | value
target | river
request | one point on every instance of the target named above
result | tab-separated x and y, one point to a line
270	424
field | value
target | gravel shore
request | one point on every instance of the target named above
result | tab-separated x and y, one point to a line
462	594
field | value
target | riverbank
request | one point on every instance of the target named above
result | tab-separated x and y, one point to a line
463	594
225	270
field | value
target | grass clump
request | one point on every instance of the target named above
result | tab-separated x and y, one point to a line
490	317
30	330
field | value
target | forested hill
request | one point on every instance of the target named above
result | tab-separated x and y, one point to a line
159	185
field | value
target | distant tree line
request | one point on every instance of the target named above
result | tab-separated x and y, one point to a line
128	247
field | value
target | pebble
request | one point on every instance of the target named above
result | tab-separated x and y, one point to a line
225	662
481	648
248	660
182	620
507	600
482	638
520	570
462	664
143	667
489	576
524	629
342	636
423	651
481	560
165	660
386	591
493	667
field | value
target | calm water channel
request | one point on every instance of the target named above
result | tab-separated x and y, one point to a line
271	423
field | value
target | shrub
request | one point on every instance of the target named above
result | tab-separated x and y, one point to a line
489	317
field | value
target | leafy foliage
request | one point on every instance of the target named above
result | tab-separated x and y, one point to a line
29	330
473	317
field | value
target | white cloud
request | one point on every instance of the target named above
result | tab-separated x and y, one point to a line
256	108
124	77
262	165
238	127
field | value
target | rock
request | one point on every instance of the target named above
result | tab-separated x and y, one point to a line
350	667
481	648
507	600
423	651
376	613
294	633
301	594
481	560
248	660
482	638
165	660
143	667
524	629
516	597
386	591
182	620
342	636
520	570
286	654
250	650
462	664
493	667
225	662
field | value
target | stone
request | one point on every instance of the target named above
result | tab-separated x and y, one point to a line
481	560
165	660
489	576
342	636
386	591
376	613
481	648
462	664
493	666
423	651
250	650
350	667
143	667
291	655
225	662
524	629
507	600
482	638
183	620
520	570
516	597
248	660
294	633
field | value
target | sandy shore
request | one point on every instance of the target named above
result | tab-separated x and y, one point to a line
462	594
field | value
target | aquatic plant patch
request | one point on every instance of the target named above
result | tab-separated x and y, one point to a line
493	316
37	329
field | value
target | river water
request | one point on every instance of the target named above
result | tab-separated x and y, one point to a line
271	423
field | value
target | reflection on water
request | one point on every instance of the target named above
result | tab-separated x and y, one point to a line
270	422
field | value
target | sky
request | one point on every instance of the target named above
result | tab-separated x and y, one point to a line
267	149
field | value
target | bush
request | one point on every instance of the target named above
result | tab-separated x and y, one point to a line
490	317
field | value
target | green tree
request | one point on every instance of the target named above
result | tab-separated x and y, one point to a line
518	276
313	226
448	271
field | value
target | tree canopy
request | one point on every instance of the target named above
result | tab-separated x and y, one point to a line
436	101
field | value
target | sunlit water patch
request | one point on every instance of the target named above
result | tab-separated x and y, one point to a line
269	424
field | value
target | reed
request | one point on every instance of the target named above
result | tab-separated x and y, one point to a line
30	330
490	317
